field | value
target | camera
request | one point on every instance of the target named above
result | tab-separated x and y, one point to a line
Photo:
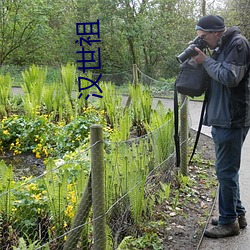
190	51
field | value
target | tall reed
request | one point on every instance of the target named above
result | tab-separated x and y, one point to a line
141	106
83	102
33	86
56	184
126	172
111	103
5	90
48	97
6	184
161	132
68	74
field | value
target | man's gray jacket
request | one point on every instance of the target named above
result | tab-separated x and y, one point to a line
228	103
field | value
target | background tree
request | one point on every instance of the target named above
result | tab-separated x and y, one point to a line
149	33
237	12
20	23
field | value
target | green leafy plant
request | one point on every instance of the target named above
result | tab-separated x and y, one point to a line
43	137
147	241
68	74
56	187
111	104
6	184
141	105
5	90
30	208
164	191
48	98
23	245
33	86
161	126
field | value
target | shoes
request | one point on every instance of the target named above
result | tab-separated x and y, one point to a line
241	219
221	231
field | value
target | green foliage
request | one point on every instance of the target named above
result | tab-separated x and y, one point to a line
111	104
5	89
164	191
126	172
48	98
146	33
30	206
141	104
184	181
6	184
43	137
122	129
33	86
147	241
29	245
128	161
56	183
161	126
83	102
68	73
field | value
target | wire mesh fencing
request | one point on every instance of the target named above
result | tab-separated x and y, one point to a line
57	209
45	211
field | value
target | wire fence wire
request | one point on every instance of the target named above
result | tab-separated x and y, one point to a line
44	210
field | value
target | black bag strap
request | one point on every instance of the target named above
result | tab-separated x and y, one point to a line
199	127
176	126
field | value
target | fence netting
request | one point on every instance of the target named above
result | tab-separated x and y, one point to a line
42	209
47	209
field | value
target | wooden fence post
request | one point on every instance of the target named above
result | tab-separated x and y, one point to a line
184	135
135	74
98	194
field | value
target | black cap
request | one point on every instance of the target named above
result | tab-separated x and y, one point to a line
210	23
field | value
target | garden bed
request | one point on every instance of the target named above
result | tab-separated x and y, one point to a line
179	220
186	224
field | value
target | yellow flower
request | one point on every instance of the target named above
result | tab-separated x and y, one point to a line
103	112
45	151
69	211
37	196
31	187
6	132
14	209
73	199
16	152
38	155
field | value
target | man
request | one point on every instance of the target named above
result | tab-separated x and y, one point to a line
228	112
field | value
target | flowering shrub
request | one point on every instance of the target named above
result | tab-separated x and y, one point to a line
44	137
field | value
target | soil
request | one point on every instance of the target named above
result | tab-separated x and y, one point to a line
186	223
24	164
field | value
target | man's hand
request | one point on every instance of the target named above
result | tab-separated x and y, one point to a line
200	58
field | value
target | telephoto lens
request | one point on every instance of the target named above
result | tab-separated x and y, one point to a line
190	50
